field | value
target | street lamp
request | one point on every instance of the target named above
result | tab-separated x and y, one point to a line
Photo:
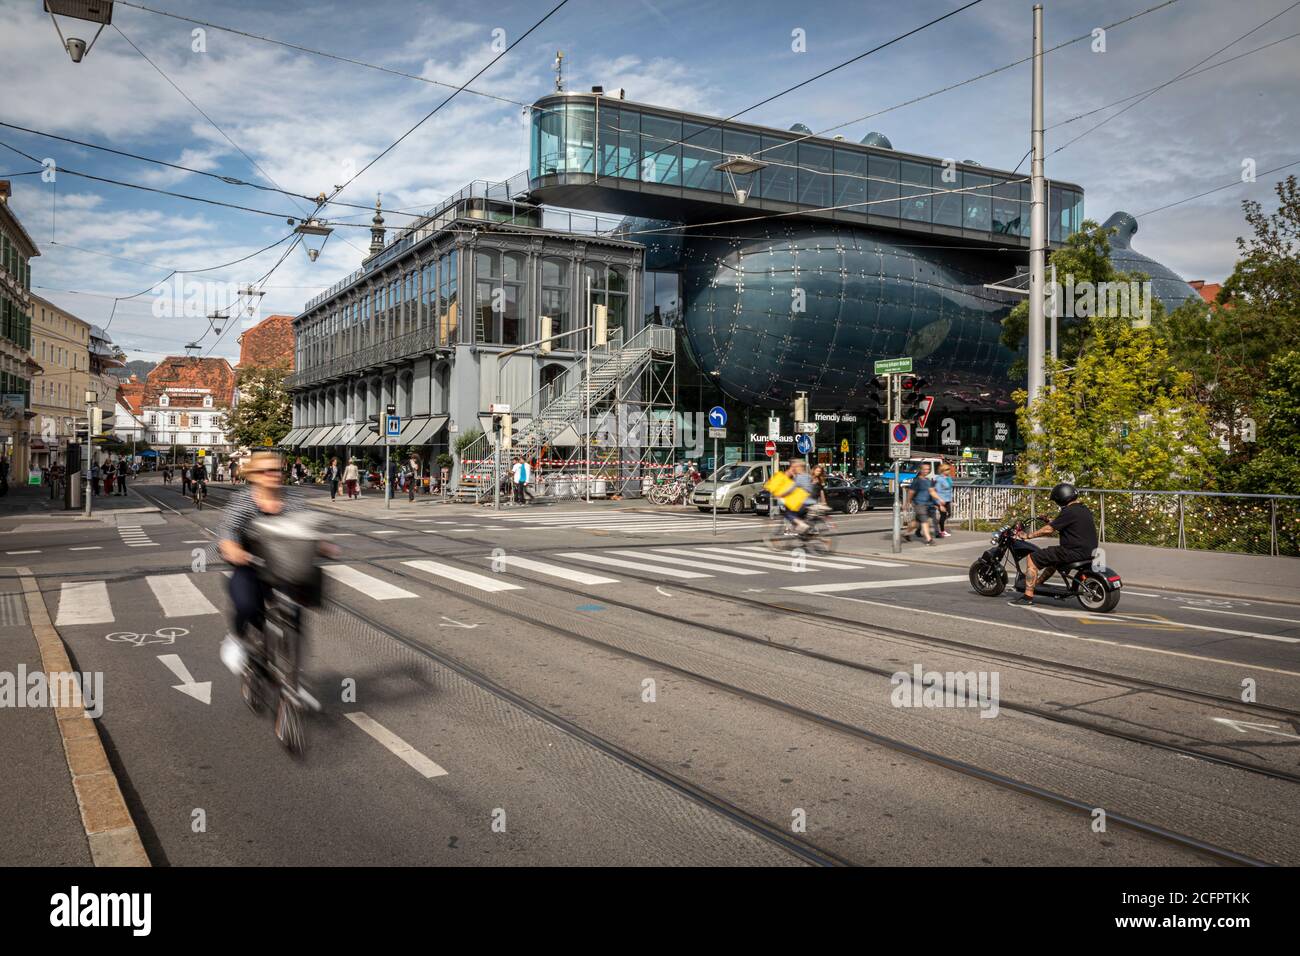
313	228
92	11
740	165
92	400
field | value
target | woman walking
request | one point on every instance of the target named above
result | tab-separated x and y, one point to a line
352	479
332	477
943	491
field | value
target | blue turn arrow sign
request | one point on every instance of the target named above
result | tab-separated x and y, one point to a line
718	416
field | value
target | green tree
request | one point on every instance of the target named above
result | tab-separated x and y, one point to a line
1229	346
1084	257
1123	417
263	415
1275	467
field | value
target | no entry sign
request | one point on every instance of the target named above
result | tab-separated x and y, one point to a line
770	448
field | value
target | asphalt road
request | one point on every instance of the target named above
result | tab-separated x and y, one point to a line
612	685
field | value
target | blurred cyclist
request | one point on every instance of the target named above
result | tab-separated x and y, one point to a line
263	495
798	471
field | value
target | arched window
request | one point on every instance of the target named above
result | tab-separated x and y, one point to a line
552	382
609	287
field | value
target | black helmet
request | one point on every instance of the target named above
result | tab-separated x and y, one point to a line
1064	493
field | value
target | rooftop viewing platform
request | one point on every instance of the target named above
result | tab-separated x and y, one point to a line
596	151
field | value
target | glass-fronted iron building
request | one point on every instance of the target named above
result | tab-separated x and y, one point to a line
793	277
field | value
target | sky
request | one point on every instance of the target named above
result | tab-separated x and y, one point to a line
305	123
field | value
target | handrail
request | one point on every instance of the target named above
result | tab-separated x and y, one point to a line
1138	491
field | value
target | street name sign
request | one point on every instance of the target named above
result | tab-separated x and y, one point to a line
893	366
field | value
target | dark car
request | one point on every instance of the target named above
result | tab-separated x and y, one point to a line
875	493
841	495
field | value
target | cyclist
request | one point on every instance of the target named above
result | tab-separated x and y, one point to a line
199	480
1078	533
795	518
263	495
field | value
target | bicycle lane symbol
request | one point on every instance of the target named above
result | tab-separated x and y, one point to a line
164	635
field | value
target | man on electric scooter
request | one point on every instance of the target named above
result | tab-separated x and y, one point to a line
1078	533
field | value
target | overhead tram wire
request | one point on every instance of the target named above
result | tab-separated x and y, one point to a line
968	81
1144	97
213	123
321	53
388	149
1235	182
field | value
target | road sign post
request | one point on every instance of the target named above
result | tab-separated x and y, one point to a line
717	424
392	428
898	437
898	508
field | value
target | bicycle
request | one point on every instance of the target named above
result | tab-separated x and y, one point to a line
200	494
817	536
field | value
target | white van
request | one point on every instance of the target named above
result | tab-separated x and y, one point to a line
734	485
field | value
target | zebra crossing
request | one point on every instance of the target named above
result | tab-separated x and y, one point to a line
625	522
133	536
182	595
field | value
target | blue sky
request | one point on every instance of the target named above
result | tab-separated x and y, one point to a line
307	122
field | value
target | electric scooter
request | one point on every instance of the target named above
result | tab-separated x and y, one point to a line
1095	586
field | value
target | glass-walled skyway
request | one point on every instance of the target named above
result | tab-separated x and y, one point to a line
636	159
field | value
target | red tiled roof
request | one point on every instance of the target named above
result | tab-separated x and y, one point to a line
131	394
268	344
1207	290
185	372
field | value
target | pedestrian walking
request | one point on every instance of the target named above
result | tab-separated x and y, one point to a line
332	477
185	482
921	498
519	474
352	479
94	479
943	491
122	468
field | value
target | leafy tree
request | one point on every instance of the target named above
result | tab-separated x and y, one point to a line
1084	257
1275	468
264	414
1229	346
1123	417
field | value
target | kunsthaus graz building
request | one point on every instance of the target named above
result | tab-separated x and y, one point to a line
842	253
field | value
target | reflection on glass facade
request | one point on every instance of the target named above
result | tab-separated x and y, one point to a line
580	135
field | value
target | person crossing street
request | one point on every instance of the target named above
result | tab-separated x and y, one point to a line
519	475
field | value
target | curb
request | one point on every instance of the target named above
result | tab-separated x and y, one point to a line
110	831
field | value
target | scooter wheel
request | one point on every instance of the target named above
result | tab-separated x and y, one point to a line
1093	595
988	580
251	693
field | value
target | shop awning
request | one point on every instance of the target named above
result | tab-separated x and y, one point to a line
424	430
294	437
314	436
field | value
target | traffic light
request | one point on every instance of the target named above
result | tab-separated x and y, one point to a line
545	345
601	319
878	397
910	409
373	424
507	432
801	407
81	431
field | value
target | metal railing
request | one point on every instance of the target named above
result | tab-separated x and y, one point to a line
411	343
1190	520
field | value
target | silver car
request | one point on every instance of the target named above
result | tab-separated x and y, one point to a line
733	486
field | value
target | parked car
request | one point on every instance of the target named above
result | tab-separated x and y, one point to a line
875	493
735	486
841	495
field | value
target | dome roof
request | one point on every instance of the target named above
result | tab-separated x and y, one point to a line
876	139
1166	285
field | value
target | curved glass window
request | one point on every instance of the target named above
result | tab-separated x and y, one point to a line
701	151
779	178
555	298
882	188
580	138
977	201
851	180
549	147
915	203
814	174
661	151
1007	216
945	206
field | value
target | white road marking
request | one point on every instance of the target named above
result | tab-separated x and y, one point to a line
866	585
1111	618
554	570
396	745
84	602
480	581
966	619
199	690
775	560
367	584
178	596
1239	725
22	552
711	565
1219	610
388	531
843	558
633	565
86	547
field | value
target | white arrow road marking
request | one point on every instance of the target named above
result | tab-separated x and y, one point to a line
1240	727
451	623
1112	618
200	691
662	591
396	745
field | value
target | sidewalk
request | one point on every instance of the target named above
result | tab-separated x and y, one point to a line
27	502
1244	576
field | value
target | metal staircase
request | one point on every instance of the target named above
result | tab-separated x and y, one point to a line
553	419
